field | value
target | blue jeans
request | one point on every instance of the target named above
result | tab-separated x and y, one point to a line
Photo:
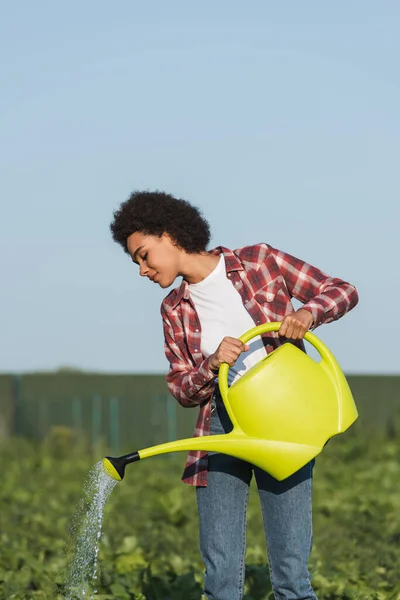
222	506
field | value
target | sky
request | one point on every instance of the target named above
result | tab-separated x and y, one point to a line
280	121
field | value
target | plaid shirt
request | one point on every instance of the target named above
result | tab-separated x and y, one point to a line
266	279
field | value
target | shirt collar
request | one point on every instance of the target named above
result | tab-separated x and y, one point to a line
232	263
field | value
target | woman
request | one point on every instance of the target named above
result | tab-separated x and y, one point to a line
224	293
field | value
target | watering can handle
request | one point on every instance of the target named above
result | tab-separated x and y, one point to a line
325	353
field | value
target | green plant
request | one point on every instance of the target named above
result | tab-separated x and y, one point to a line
149	549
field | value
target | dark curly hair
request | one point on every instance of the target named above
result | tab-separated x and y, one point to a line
155	213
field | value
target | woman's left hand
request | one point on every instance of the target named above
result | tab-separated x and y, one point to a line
296	325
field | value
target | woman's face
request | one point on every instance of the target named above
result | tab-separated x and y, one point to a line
158	257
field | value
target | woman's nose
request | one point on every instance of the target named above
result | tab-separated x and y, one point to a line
143	270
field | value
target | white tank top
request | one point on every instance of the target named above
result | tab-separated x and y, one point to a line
221	313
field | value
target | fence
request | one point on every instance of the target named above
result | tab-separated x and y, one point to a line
135	411
123	411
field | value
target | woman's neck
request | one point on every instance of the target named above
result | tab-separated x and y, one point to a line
197	267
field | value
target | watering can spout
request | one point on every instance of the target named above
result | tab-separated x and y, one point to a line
283	411
280	458
115	466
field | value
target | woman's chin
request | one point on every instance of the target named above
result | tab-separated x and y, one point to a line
165	283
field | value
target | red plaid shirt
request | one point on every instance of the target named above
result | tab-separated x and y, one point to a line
266	279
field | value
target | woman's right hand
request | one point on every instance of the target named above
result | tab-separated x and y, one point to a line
228	351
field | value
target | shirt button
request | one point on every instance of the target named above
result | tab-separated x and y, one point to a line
237	283
270	297
197	330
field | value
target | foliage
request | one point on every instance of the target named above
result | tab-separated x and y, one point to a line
149	549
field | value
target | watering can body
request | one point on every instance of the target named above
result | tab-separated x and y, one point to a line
292	404
283	410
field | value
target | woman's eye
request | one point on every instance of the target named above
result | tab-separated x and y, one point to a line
144	257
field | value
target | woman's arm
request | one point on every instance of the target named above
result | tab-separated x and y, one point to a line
190	385
326	298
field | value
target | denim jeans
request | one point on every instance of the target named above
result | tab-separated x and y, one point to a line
222	507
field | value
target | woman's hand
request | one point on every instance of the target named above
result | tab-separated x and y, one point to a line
296	325
228	351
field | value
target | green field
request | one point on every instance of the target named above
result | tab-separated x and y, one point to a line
149	548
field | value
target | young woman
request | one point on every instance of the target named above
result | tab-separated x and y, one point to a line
224	293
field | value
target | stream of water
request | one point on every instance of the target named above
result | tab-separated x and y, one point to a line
85	534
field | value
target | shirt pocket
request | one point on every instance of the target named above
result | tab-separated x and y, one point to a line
271	291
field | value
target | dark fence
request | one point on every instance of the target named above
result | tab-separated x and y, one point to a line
135	411
122	411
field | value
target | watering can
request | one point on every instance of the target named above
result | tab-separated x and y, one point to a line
283	410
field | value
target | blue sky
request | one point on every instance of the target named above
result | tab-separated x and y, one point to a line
279	120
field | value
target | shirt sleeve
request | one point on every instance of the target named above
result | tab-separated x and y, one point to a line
190	385
326	298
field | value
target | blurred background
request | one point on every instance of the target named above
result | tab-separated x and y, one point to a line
280	121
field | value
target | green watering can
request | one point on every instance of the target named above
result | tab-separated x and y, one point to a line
283	410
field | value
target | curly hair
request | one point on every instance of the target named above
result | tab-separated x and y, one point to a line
155	213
